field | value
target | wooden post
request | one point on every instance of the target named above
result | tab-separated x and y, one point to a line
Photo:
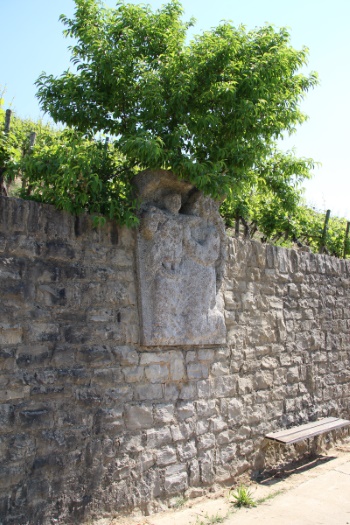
32	139
3	187
346	239
237	226
324	233
7	121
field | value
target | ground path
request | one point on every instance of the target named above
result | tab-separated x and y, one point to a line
316	493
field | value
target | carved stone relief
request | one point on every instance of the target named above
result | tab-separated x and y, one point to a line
181	243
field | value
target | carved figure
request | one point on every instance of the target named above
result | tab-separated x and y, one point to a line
179	258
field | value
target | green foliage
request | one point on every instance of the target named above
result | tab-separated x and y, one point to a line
269	197
210	109
16	144
67	169
309	225
242	497
78	174
180	502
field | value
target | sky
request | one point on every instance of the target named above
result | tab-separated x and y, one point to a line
32	42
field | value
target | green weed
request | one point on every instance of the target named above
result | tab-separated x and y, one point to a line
242	497
179	502
211	520
269	496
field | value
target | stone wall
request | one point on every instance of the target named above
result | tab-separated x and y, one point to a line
92	423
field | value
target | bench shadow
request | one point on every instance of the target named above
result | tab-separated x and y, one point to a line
273	476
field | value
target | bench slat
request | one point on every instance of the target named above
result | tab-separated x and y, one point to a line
292	435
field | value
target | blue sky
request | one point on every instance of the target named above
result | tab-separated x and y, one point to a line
32	42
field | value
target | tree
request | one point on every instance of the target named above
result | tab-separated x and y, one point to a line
270	197
210	109
77	174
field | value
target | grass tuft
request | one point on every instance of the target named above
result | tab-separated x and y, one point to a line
242	497
211	520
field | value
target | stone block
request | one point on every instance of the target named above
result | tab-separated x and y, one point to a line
132	443
225	437
126	355
163	414
207	469
228	453
197	371
182	432
263	380
224	386
147	460
110	420
187	450
206	408
157	373
185	410
148	392
219	369
158	436
244	385
134	374
10	336
191	356
176	479
138	417
107	376
293	374
206	441
171	392
177	368
206	354
268	362
203	388
99	354
166	456
188	391
235	409
152	358
217	424
194	472
246	447
202	426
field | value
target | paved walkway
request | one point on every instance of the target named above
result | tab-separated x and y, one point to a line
317	493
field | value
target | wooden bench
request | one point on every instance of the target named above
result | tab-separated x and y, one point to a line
295	434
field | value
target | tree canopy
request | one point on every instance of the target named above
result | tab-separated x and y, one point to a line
76	173
210	108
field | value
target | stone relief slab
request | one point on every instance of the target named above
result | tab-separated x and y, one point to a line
180	255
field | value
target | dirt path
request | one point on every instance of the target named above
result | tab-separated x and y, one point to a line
313	494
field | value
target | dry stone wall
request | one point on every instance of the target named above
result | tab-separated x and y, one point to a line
92	423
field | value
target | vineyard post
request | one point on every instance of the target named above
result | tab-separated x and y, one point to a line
237	226
346	239
324	233
32	139
3	187
8	121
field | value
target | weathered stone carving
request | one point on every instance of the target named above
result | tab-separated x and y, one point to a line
180	262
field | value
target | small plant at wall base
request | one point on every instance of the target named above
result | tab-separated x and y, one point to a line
242	497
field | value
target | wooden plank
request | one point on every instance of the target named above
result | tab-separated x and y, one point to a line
292	430
295	434
305	431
